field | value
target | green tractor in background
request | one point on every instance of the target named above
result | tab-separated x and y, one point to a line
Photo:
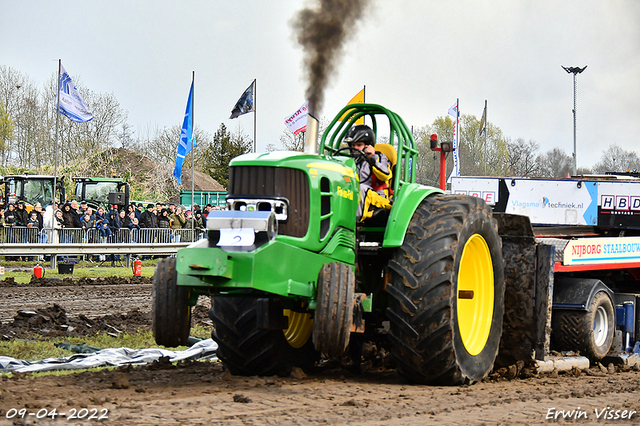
292	275
31	189
100	191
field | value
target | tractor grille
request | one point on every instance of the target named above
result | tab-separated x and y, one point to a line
265	182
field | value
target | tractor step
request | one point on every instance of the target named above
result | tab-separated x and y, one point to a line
369	245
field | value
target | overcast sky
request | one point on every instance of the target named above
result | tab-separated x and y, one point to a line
414	56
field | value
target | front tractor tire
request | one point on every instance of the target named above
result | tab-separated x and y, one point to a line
447	292
334	312
171	313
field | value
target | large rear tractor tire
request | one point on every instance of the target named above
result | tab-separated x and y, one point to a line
171	313
447	292
589	332
248	351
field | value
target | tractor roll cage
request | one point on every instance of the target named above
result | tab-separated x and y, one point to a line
400	137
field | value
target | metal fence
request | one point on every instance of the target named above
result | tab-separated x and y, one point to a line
27	235
20	235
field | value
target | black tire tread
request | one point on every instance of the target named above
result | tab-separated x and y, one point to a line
243	348
171	313
422	292
573	330
334	311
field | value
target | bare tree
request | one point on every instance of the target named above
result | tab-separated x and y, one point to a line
555	163
161	145
125	137
522	158
481	156
6	129
428	164
270	148
616	159
34	116
291	142
102	131
477	157
20	99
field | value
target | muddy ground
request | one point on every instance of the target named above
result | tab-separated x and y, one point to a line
204	393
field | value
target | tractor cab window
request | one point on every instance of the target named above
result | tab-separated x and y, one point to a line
38	191
98	191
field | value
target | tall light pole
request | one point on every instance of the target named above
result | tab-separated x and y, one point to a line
575	71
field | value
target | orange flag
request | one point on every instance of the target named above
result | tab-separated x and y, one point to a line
357	99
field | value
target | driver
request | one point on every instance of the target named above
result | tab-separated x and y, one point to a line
374	172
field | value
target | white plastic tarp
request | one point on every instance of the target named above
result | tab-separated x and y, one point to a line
204	349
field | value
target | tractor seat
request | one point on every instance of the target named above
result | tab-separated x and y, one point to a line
380	216
389	151
392	155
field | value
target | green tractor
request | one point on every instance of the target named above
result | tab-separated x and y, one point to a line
292	275
31	189
99	191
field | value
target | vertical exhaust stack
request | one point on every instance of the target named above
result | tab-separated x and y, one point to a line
322	30
311	137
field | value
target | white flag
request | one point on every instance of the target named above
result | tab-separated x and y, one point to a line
71	103
455	112
297	122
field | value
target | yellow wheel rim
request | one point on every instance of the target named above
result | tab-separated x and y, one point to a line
300	328
475	294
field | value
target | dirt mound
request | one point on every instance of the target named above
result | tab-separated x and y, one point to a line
55	282
117	162
121	162
53	321
147	179
200	315
8	282
203	182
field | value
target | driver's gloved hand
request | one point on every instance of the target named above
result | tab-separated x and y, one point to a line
359	156
370	160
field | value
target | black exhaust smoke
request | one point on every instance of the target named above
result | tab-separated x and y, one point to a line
322	33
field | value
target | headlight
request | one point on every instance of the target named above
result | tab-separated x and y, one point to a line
239	228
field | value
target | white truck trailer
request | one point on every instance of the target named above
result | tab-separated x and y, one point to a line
573	247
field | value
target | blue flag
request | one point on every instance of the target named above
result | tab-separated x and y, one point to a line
70	102
186	137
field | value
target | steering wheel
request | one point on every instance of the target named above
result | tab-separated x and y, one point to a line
353	152
357	154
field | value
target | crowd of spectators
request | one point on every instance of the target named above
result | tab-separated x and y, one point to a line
80	216
76	216
17	215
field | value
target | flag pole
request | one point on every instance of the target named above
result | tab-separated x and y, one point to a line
255	88
457	137
193	131
364	98
485	137
55	149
